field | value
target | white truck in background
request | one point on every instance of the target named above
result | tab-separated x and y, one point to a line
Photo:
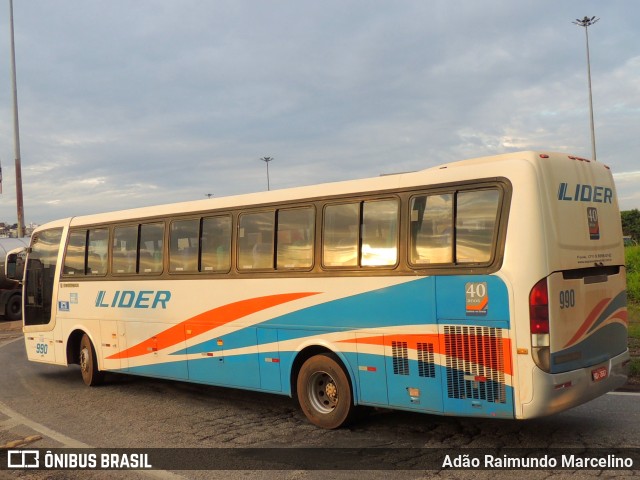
10	290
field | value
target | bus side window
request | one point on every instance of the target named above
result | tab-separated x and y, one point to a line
151	247
74	258
215	244
476	215
125	243
340	235
255	241
98	246
379	233
183	246
432	229
295	238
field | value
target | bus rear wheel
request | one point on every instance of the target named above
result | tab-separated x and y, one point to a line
89	363
324	392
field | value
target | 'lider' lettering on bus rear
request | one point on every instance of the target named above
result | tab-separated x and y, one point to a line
585	193
132	299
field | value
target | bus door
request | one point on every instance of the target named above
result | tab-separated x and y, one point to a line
474	327
39	310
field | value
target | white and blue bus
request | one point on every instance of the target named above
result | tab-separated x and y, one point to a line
491	287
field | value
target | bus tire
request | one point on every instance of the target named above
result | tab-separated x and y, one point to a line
324	391
13	309
89	363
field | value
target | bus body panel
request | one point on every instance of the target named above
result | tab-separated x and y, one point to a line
589	320
403	342
583	218
557	392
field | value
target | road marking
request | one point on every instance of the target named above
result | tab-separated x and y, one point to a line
624	393
3	343
57	436
16	418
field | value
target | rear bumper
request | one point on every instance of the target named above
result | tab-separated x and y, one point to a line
553	393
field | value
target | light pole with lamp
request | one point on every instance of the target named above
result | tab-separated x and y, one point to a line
267	160
16	131
586	22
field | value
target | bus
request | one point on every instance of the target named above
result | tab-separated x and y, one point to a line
490	287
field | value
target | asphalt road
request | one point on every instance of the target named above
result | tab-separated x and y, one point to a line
49	407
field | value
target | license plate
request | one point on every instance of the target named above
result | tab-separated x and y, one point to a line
599	374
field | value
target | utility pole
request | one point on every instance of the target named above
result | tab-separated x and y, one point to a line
267	160
586	22
16	130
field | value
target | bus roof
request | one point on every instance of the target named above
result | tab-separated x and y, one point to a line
465	170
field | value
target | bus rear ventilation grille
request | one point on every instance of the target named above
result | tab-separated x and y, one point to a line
475	363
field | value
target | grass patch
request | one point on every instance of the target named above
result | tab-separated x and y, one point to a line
632	262
633	315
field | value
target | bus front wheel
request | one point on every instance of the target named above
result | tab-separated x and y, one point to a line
324	392
89	363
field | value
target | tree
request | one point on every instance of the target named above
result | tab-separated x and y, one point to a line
631	223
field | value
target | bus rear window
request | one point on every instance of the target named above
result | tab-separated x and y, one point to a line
432	229
476	215
454	227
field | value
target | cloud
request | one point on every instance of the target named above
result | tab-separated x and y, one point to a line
124	105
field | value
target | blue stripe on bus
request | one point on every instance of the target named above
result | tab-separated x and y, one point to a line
599	347
423	387
411	303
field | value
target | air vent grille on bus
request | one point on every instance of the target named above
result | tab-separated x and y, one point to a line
400	358
426	366
475	363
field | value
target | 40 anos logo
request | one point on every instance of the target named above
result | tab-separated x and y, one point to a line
133	299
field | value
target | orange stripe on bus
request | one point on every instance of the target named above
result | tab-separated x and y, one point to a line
388	339
209	320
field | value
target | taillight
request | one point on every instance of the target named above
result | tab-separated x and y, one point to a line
539	324
539	308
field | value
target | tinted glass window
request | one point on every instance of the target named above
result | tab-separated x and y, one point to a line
379	233
340	235
75	254
295	238
39	276
476	214
432	229
216	244
183	246
98	251
125	245
151	247
255	241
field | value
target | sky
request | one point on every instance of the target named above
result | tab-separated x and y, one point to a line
125	104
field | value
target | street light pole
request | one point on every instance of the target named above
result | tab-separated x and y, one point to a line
586	22
16	131
267	160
